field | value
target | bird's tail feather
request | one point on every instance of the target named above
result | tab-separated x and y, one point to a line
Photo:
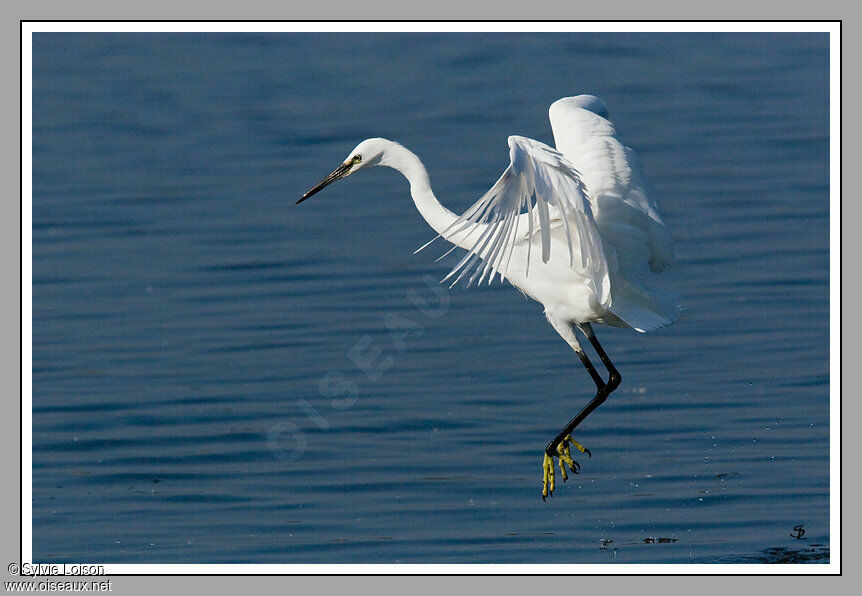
643	309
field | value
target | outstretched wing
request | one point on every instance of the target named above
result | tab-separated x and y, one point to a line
625	211
634	237
539	192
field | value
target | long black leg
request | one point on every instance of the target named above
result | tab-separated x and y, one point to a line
614	377
597	378
602	389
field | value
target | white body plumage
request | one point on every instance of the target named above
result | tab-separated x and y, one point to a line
574	228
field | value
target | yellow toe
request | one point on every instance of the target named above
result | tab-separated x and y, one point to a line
565	456
575	444
547	476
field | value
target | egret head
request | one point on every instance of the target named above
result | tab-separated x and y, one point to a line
367	154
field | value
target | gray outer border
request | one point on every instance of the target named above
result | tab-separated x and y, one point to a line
13	12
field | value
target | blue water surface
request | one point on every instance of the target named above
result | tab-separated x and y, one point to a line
221	376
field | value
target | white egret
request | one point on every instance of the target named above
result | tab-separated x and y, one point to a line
585	208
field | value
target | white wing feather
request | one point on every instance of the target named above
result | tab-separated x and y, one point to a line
625	211
539	191
635	239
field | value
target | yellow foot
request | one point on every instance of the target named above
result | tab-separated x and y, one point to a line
565	457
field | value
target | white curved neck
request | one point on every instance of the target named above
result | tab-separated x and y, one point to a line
438	217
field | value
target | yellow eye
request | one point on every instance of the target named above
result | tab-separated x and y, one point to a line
357	158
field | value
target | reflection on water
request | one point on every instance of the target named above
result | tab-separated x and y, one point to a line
219	376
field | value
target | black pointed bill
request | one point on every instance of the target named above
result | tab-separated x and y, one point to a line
339	172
